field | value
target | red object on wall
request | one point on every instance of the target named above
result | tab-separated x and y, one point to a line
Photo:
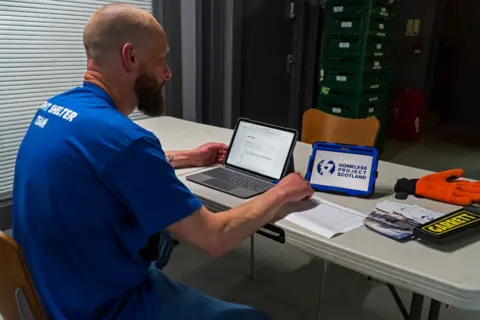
407	114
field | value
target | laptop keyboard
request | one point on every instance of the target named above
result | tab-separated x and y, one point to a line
240	180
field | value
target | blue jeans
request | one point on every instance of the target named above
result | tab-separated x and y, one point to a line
180	302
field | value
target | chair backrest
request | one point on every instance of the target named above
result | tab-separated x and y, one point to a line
320	126
18	297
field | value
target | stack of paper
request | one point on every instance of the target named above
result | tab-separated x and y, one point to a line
325	218
397	220
414	212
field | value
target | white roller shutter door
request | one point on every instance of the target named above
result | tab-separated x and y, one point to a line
41	55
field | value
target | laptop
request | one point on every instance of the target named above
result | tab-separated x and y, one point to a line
259	155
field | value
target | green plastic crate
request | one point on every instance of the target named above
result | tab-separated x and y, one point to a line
338	46
346	111
385	2
354	64
358	9
368	80
351	98
373	25
374	2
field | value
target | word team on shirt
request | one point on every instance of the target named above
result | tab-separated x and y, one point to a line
56	110
40	121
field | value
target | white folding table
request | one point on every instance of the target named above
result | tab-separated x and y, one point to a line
445	277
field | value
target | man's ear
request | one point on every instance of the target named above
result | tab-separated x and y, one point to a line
129	59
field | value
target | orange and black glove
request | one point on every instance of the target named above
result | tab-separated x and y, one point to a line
442	186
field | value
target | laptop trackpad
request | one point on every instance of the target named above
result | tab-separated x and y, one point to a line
215	183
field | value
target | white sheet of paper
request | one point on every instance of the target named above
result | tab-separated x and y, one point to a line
390	206
326	218
421	214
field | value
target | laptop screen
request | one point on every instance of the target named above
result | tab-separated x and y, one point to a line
260	149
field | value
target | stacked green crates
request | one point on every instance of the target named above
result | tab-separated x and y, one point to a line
356	60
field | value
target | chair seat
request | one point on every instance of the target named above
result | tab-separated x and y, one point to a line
321	126
18	297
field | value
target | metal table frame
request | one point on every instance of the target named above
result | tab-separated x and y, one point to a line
416	305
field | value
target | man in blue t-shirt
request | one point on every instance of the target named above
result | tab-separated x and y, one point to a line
92	187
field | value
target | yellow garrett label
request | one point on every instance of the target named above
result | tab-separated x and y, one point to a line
451	222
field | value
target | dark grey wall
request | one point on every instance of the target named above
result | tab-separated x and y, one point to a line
181	20
191	32
168	13
196	34
412	68
463	109
232	57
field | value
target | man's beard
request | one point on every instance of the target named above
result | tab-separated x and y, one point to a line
149	96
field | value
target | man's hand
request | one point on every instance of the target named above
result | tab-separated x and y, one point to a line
209	154
294	188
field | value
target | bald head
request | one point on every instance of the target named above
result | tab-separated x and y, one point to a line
127	56
115	25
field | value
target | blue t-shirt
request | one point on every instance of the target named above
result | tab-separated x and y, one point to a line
90	187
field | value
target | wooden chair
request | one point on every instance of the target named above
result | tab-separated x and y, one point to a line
18	297
320	126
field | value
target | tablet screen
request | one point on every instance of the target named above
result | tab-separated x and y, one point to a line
342	170
261	149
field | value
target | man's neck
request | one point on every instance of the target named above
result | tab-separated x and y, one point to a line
98	79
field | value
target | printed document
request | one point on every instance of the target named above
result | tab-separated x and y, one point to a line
325	218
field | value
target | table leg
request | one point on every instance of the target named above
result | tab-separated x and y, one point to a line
434	313
399	301
252	257
416	307
322	290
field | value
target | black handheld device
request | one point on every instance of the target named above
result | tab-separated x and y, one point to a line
449	228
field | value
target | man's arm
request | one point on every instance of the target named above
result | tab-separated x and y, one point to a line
205	155
141	178
179	159
217	233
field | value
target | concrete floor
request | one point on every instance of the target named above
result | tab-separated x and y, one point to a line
286	284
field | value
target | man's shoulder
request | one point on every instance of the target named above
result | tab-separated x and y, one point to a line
96	118
82	123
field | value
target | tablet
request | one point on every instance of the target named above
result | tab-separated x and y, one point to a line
344	169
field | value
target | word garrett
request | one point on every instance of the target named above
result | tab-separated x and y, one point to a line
451	223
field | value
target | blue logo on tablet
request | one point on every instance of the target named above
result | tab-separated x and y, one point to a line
326	167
